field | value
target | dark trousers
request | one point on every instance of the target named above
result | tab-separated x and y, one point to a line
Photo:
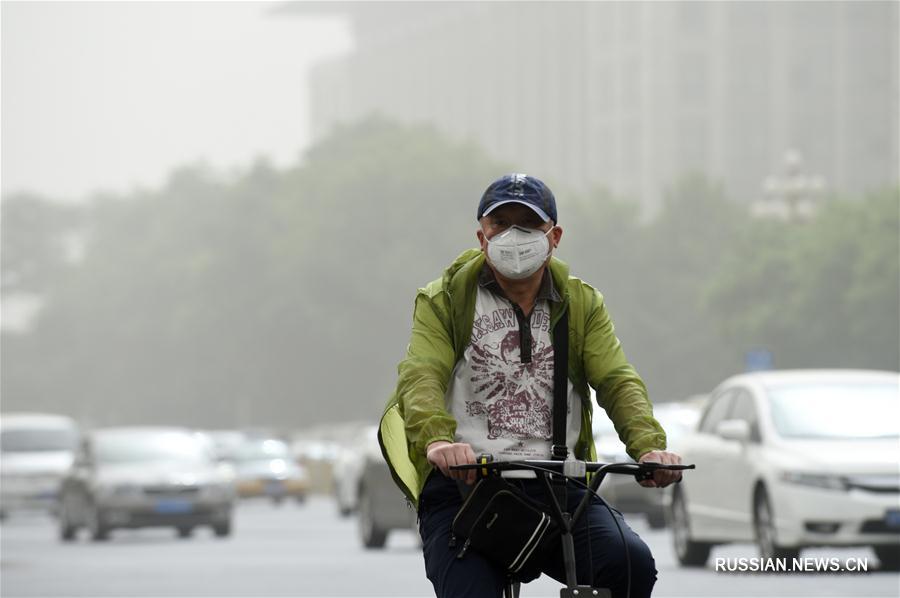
598	548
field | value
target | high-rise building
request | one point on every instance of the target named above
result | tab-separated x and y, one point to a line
632	95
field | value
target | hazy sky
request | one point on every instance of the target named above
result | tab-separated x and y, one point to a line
110	95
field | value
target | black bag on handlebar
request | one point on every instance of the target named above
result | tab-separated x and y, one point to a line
502	524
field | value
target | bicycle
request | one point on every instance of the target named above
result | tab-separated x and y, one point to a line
549	471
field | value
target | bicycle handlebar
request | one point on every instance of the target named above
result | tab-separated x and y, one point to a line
577	469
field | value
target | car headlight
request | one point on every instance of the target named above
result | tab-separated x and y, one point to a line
828	482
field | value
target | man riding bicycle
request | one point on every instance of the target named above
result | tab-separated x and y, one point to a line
478	378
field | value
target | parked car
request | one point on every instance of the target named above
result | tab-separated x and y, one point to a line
36	450
623	492
793	459
348	468
144	477
264	468
382	507
317	453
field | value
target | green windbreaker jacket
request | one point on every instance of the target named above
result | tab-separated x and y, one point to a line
416	414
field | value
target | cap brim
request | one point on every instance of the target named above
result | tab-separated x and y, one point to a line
533	207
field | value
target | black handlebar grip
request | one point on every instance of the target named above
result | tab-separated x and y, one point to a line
644	474
647	474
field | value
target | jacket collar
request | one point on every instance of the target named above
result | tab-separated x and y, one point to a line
488	280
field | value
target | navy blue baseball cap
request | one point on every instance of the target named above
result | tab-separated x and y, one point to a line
519	188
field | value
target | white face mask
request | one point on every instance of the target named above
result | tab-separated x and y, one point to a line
518	252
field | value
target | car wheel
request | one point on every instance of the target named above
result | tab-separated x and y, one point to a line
889	556
689	552
98	528
371	535
344	509
67	531
185	531
766	534
222	530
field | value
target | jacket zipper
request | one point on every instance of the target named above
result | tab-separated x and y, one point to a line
452	542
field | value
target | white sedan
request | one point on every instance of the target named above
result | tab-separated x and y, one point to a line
348	468
793	459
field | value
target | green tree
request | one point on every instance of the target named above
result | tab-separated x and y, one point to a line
676	345
38	237
823	293
281	296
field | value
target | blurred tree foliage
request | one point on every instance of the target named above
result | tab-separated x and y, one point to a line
37	242
284	297
278	296
654	275
822	293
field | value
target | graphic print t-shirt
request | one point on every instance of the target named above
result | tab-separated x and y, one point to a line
503	406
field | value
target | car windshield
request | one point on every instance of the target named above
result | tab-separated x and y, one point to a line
262	450
134	447
38	440
845	410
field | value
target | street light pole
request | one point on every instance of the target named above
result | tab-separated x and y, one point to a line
791	195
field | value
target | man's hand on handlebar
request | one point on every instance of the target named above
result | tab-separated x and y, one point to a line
443	455
661	477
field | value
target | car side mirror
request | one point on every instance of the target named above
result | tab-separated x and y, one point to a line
734	429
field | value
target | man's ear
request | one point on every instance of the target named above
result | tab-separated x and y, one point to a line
555	236
482	240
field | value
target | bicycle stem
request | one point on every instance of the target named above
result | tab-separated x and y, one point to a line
564	520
